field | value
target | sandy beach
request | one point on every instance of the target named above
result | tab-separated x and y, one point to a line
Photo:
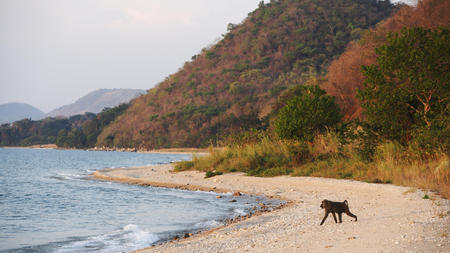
390	218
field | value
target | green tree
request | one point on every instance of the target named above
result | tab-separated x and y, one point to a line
76	138
406	92
305	115
91	129
61	139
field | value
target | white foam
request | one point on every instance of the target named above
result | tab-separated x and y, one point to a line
130	227
65	176
208	224
129	238
140	238
239	212
207	192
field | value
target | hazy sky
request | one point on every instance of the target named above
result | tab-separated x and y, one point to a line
52	52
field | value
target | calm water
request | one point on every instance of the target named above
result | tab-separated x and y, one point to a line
48	203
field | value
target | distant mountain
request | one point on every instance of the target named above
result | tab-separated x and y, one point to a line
16	111
96	101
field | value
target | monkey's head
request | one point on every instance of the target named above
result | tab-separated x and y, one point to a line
324	203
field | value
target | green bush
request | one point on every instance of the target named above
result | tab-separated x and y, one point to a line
305	115
211	55
191	84
212	174
153	117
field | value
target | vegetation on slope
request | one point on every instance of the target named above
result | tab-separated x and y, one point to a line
86	135
232	85
403	138
79	131
344	76
28	132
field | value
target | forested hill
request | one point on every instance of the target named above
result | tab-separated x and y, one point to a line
232	85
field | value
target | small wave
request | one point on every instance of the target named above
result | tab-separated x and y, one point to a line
239	212
59	177
129	238
138	236
63	176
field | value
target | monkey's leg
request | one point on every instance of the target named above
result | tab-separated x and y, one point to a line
352	215
340	217
334	216
325	217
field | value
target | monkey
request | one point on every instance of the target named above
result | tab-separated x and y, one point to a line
336	207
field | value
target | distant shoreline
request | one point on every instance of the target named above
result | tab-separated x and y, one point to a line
197	151
385	221
37	146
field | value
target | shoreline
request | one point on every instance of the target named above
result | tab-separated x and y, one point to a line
100	175
385	221
37	146
196	151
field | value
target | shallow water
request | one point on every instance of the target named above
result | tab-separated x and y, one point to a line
49	203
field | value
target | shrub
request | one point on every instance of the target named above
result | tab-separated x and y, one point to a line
184	165
191	84
153	117
210	55
305	115
212	173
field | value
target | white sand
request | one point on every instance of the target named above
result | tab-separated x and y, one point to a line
390	218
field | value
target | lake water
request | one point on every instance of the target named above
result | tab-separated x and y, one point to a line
49	203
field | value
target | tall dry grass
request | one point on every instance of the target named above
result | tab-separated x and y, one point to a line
264	158
328	157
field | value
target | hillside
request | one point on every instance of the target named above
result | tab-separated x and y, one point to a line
96	101
16	111
231	86
402	137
